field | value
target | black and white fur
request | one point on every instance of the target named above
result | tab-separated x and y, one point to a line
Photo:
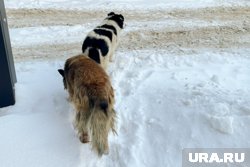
101	42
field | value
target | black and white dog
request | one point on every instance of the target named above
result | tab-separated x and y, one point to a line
101	42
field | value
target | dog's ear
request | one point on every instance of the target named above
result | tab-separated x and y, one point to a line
61	71
111	14
121	17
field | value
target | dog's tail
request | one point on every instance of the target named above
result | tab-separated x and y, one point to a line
102	119
94	54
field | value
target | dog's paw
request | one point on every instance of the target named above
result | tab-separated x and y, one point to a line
106	151
84	138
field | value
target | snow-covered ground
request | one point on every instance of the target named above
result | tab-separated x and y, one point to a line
120	4
181	78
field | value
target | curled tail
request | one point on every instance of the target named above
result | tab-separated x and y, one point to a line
101	121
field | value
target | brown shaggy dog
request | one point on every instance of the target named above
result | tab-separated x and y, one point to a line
91	93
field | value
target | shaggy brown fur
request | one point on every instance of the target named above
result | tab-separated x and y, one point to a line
91	93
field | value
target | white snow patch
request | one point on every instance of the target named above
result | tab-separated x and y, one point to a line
158	114
222	124
121	4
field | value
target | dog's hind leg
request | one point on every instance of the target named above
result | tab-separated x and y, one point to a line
84	137
81	125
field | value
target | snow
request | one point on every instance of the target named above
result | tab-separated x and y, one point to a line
121	4
167	97
43	35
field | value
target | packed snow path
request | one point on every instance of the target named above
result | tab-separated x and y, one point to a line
181	78
47	33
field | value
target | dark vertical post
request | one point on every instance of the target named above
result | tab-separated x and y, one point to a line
7	69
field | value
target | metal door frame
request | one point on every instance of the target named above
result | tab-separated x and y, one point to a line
7	68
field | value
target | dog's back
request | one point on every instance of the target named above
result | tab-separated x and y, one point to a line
101	43
91	92
81	71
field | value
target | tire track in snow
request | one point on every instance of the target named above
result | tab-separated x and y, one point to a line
214	27
48	17
216	37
